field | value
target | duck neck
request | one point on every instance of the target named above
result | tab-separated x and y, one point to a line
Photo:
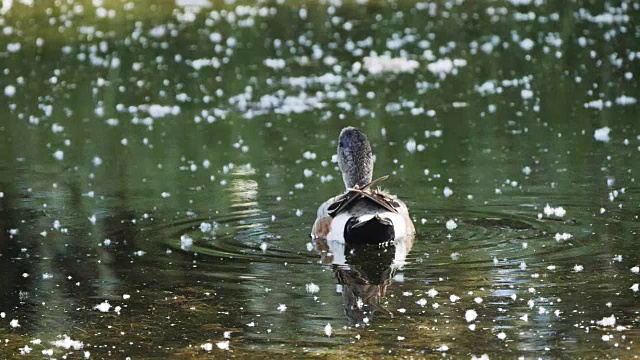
358	173
355	158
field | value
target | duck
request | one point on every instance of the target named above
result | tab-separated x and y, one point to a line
361	214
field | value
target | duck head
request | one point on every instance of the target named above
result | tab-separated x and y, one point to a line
354	158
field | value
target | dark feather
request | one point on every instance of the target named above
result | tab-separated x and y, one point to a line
347	199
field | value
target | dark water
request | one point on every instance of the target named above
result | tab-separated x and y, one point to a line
164	162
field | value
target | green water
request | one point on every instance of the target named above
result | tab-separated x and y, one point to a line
164	162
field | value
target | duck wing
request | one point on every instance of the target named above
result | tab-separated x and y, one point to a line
382	199
345	200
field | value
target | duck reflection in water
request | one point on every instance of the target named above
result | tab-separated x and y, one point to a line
363	233
365	272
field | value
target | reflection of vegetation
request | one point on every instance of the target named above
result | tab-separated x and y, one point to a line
140	324
214	142
13	342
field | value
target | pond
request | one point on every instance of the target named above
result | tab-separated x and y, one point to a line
162	164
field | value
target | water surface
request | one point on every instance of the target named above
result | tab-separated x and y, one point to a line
162	164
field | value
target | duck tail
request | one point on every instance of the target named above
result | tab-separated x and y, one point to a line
369	229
